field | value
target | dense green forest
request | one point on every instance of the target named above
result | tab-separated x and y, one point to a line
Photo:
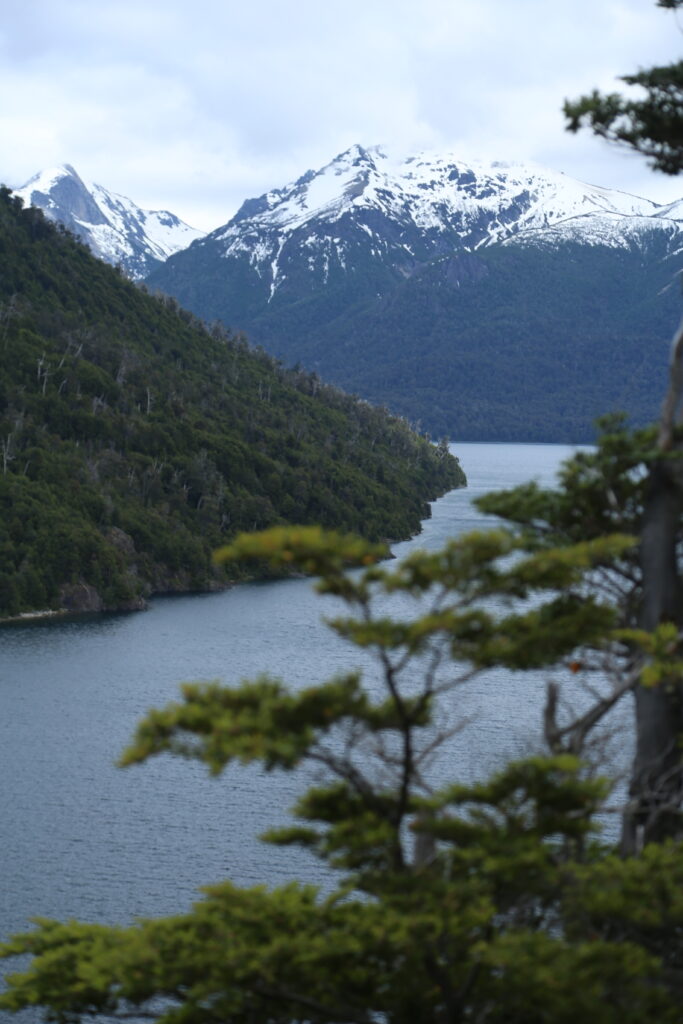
512	342
134	439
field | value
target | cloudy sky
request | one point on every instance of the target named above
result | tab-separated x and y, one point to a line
195	105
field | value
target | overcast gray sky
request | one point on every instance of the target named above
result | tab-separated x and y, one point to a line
195	105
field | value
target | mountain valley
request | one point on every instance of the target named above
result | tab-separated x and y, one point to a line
482	301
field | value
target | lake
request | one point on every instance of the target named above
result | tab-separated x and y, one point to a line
81	838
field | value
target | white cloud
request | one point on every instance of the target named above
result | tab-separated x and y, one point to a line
195	107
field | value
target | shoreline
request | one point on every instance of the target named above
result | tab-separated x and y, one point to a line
40	615
46	613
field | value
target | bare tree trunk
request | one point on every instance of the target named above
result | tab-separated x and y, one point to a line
653	812
655	788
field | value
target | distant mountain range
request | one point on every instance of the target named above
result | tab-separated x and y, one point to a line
487	301
114	227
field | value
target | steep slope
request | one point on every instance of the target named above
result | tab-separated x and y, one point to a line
133	441
488	301
112	226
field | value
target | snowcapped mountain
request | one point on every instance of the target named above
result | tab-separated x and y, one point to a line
112	226
407	210
472	296
439	195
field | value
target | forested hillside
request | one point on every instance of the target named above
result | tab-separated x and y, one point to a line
491	302
133	440
511	343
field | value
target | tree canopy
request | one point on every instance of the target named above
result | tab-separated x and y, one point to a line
134	439
648	120
493	901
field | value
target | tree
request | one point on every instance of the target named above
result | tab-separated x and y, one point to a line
489	902
651	124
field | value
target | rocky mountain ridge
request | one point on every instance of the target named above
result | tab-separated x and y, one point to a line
113	226
471	204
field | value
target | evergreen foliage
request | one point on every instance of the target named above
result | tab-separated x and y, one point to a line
648	120
134	440
507	909
492	901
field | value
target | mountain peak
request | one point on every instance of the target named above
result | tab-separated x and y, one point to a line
44	181
442	195
356	155
113	226
63	196
52	173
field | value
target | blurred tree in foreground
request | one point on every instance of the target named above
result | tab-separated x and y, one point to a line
649	119
651	122
491	901
487	902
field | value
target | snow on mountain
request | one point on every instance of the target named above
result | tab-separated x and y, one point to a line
437	191
488	300
114	227
432	202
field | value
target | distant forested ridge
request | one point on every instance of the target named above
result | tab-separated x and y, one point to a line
134	440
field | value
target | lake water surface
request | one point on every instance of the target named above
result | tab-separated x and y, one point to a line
81	838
